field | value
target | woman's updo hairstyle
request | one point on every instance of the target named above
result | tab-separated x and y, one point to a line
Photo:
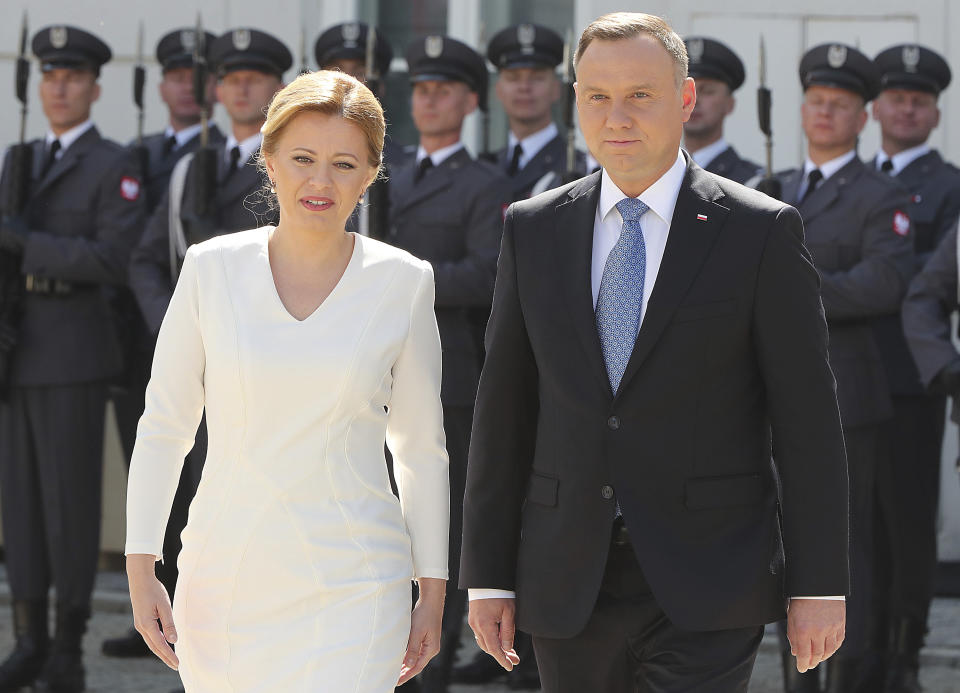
332	93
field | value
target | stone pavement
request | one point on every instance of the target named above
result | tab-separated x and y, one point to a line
940	674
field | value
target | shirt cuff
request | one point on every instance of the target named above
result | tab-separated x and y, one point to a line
477	593
828	599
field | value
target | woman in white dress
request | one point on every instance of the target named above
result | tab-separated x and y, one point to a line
308	347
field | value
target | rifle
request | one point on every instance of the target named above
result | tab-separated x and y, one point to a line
139	79
205	159
304	66
15	193
768	184
373	218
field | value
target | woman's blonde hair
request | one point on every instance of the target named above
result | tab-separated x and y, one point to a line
332	93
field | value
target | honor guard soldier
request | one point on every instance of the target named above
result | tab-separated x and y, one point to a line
84	213
344	47
175	53
860	238
718	72
447	208
911	79
535	158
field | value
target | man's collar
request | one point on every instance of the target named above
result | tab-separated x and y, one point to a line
247	147
661	197
902	159
70	136
828	168
183	136
441	155
705	155
532	144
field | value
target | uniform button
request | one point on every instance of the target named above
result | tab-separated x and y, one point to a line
613	423
607	492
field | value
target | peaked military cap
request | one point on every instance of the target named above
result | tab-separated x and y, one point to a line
711	59
70	47
445	59
909	66
841	66
525	45
250	49
176	48
349	41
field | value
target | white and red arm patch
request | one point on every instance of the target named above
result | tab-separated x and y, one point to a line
901	223
129	188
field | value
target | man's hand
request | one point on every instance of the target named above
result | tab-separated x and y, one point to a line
492	621
815	628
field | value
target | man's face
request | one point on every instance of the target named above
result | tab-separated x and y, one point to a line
67	95
439	108
176	91
832	118
630	108
246	94
714	103
906	116
349	66
527	93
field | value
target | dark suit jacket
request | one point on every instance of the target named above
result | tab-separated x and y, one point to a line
453	218
865	258
733	344
84	215
160	165
551	159
729	165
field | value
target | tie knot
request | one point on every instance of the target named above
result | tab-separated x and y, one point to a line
886	166
631	208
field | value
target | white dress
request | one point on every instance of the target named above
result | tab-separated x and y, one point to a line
297	558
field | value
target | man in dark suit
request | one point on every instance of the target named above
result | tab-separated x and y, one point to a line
447	208
908	483
656	332
162	151
74	238
718	72
535	158
860	237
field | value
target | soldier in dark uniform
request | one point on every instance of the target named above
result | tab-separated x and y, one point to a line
911	79
859	236
163	150
447	207
718	73
535	158
82	219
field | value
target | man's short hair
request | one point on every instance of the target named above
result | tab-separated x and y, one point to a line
617	26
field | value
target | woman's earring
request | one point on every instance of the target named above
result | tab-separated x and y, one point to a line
273	187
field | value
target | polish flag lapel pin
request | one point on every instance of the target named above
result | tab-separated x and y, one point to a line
701	217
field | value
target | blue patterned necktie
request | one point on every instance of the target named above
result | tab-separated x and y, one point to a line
621	292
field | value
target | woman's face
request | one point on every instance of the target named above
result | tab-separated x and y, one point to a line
320	171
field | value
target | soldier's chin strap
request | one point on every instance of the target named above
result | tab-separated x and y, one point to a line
178	239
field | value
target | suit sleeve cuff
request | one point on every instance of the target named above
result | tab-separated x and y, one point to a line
828	599
477	593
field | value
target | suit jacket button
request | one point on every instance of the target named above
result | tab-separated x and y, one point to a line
607	492
613	423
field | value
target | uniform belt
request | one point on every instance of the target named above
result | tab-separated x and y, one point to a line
620	536
48	286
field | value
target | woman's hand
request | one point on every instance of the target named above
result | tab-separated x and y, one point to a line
151	603
424	641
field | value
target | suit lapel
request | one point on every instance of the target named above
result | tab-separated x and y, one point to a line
71	157
545	160
824	196
689	242
573	250
433	181
244	180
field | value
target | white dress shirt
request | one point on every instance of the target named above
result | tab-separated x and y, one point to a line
827	169
661	198
67	138
247	147
531	144
439	156
185	135
705	155
902	159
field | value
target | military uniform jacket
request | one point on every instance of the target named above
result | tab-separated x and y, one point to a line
934	188
860	240
84	216
160	165
552	158
453	218
729	165
239	205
